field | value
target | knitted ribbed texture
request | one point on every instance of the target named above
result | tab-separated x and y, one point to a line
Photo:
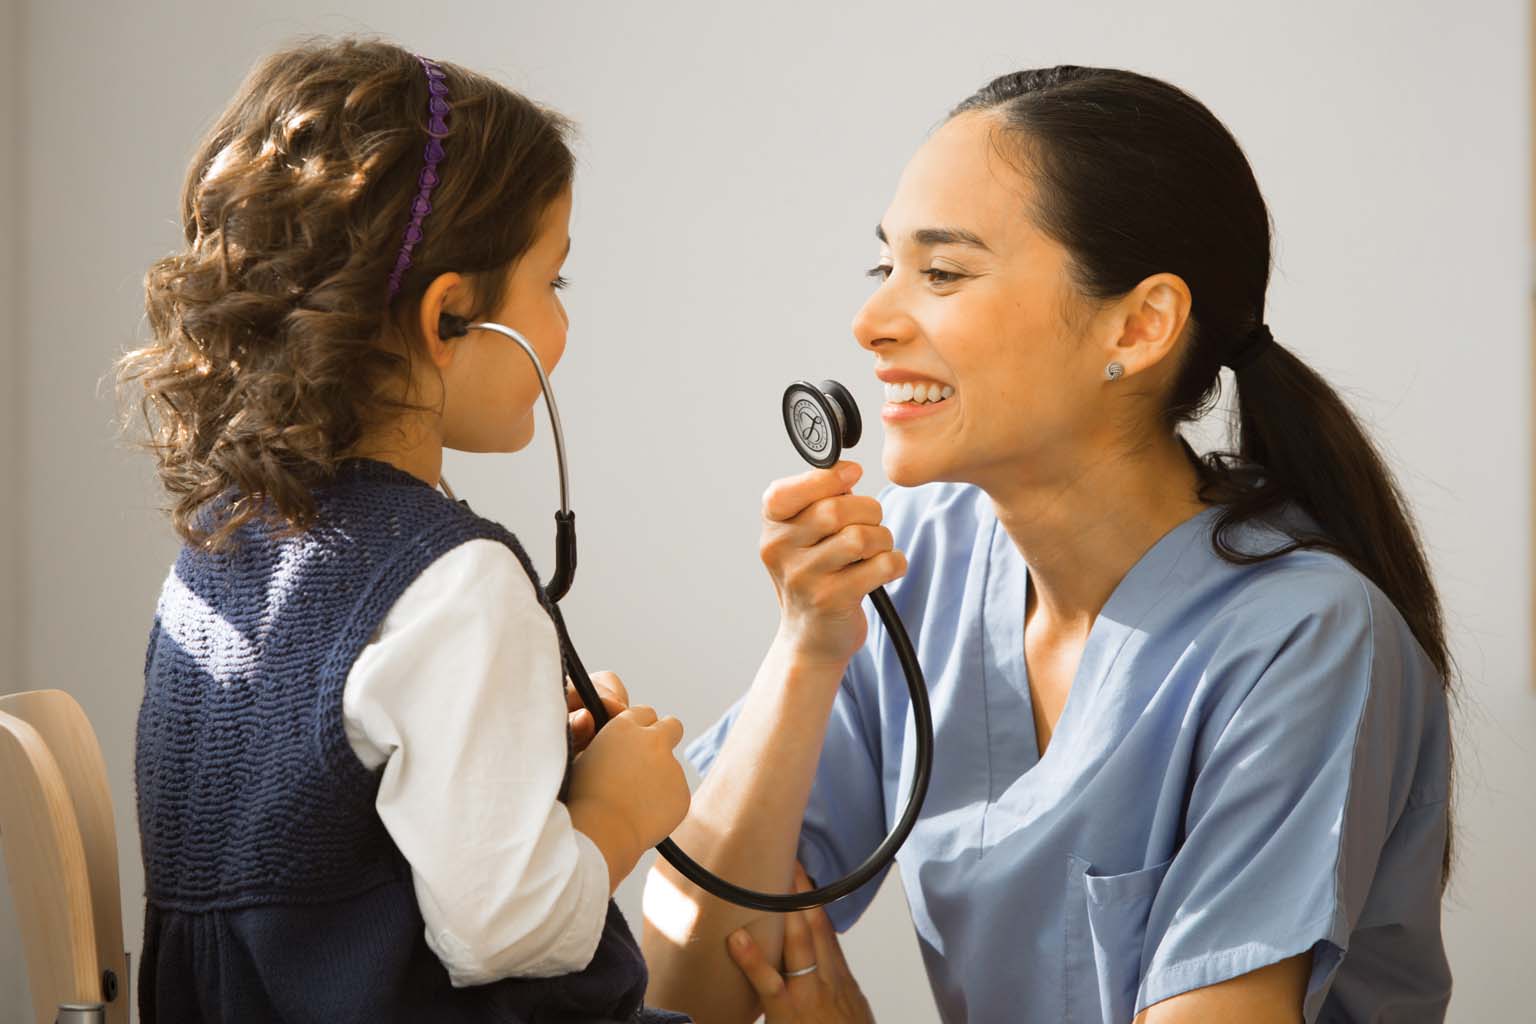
274	891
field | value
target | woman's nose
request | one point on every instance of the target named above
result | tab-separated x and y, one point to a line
880	321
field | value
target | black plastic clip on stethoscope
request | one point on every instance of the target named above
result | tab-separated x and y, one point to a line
821	421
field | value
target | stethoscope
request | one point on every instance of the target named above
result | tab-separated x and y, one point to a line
821	421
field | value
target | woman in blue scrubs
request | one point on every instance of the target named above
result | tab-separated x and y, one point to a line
1192	755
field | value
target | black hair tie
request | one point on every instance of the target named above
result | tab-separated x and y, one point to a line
1254	344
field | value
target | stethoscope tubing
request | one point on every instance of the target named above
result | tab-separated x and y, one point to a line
876	862
922	714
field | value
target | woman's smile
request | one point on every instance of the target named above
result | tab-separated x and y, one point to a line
909	396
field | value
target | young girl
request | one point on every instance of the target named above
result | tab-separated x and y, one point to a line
357	793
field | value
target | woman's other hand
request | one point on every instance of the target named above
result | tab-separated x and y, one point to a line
827	995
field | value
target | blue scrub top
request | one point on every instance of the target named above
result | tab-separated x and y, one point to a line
1252	763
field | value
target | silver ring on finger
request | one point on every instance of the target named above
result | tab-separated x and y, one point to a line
802	972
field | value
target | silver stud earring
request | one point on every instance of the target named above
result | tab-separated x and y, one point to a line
1114	371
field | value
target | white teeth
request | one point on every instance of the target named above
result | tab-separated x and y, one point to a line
918	394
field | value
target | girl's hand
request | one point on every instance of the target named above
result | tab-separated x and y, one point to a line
629	777
825	549
827	995
615	699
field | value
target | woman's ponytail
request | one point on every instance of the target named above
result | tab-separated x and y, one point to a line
1313	451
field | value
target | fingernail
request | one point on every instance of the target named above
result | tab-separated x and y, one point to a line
850	472
739	939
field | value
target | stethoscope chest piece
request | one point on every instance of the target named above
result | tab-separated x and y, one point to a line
821	421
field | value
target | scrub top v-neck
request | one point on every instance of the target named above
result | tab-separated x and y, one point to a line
1251	763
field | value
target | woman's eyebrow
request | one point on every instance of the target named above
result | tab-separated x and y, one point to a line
939	236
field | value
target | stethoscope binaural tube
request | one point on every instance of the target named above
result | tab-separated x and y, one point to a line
820	420
565	519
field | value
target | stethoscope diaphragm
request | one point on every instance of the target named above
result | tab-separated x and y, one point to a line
821	421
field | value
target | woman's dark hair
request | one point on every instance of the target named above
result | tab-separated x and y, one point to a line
1134	177
266	365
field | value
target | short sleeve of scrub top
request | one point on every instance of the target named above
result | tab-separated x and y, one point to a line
1252	764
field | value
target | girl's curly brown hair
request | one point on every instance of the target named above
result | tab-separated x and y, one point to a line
270	357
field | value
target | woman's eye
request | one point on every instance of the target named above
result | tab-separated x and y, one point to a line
561	282
934	275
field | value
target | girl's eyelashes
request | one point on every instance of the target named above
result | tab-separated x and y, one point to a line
561	282
882	271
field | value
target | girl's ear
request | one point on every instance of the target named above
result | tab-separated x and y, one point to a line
446	293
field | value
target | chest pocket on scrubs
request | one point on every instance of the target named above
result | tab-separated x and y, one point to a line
1106	929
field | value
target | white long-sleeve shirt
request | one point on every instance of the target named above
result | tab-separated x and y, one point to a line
459	698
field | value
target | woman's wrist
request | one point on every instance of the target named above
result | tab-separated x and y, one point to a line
798	655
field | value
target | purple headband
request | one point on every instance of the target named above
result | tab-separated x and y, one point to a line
438	107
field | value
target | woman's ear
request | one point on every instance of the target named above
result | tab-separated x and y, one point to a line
446	294
1154	315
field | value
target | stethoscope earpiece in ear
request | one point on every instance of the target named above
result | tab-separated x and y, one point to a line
450	326
821	421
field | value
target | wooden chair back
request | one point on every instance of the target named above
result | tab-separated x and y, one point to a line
60	844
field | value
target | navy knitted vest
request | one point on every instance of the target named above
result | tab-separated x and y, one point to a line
274	892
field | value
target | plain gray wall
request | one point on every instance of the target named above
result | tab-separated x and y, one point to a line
12	441
734	163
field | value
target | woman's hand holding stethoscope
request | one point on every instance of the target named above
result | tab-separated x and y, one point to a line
816	986
825	550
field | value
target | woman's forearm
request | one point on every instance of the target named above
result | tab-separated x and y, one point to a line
744	825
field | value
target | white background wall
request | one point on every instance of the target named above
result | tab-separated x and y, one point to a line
735	160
